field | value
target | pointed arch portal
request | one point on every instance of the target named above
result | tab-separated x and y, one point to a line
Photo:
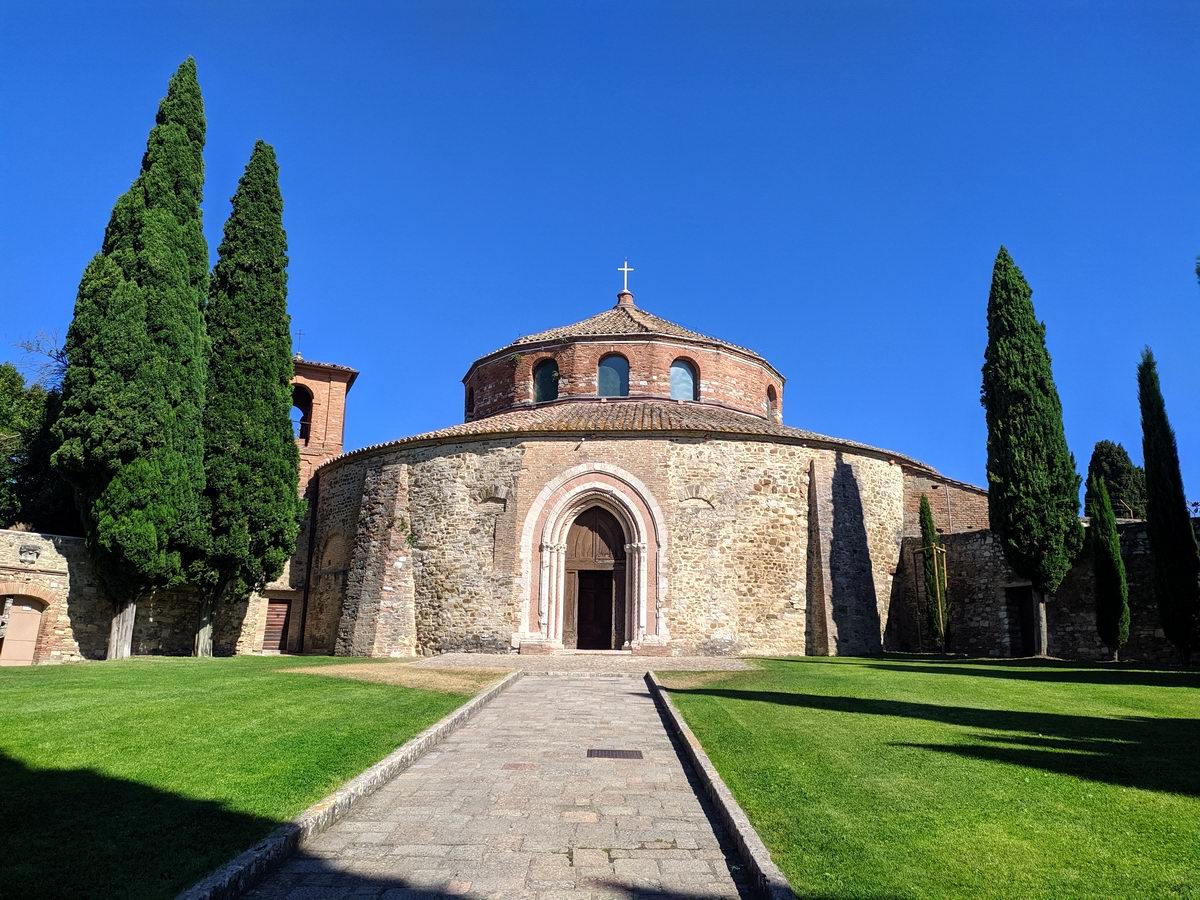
593	551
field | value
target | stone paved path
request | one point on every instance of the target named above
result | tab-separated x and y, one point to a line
510	806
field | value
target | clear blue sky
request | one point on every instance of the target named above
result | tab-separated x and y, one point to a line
825	182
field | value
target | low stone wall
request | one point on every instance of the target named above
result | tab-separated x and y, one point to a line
985	592
56	569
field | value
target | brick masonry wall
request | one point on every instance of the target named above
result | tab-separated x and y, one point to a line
956	506
327	423
725	377
739	555
977	576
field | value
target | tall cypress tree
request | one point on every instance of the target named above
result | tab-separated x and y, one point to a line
1111	586
1125	482
1172	540
935	579
1033	488
129	431
250	455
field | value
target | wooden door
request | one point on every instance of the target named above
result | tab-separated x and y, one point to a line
20	638
275	635
595	611
594	602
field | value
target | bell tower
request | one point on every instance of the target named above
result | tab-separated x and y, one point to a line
319	412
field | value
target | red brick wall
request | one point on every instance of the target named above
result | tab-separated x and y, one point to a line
956	506
326	433
725	377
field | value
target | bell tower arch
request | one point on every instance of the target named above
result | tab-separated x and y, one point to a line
319	392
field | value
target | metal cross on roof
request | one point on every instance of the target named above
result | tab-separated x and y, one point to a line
626	269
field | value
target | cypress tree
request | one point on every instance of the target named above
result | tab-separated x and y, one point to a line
1033	488
1111	587
133	393
1125	482
1172	541
935	580
251	460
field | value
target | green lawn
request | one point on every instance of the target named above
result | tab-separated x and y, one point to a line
133	779
921	778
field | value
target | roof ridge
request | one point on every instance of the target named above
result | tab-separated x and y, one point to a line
619	321
657	415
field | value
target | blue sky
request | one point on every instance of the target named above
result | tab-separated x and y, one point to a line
824	182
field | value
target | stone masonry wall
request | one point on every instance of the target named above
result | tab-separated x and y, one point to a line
340	497
76	621
737	521
982	622
463	564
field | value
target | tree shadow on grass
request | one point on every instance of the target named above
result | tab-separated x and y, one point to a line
1037	672
79	833
1156	754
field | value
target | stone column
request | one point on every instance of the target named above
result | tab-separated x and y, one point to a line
544	588
635	560
660	612
560	593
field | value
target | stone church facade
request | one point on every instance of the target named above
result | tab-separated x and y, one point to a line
622	483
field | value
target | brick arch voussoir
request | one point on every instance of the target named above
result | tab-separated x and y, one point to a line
21	589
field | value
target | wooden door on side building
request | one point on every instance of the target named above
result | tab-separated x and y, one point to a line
275	634
20	637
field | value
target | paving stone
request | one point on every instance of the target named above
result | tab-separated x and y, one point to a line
511	806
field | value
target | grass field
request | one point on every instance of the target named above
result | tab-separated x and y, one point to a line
922	778
133	779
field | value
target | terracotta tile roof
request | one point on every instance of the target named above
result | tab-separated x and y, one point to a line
301	361
623	321
614	416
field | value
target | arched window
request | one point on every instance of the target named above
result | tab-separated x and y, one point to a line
302	402
470	402
684	383
545	381
772	402
612	376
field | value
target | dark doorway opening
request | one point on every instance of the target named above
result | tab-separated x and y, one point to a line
595	610
1021	620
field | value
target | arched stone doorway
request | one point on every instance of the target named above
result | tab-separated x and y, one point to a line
594	605
547	578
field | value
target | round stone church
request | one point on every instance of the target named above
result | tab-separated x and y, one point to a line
620	484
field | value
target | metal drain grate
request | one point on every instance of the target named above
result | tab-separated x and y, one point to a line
614	754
